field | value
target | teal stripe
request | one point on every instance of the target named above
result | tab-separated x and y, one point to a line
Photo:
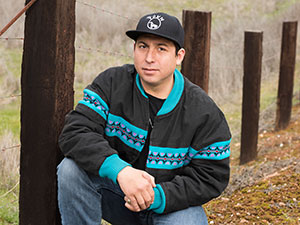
173	158
139	84
175	95
166	158
167	150
173	98
91	93
89	100
93	107
215	151
129	134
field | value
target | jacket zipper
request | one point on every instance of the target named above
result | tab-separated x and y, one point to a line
150	122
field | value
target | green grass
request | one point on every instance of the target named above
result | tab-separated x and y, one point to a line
10	118
14	61
12	57
9	210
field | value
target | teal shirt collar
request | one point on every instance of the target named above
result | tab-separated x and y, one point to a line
173	98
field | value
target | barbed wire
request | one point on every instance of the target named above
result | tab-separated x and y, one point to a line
12	39
226	68
128	56
105	10
270	57
11	147
11	96
102	51
227	44
237	44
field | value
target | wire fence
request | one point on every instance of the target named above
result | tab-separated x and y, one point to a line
231	45
11	147
102	51
234	44
11	96
105	10
12	38
89	49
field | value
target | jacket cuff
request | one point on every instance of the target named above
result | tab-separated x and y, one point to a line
112	166
159	204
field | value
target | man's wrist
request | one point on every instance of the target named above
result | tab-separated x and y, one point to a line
159	203
112	166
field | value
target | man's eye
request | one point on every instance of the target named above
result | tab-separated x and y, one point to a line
161	49
142	46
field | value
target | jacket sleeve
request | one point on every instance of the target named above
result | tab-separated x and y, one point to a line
206	171
82	137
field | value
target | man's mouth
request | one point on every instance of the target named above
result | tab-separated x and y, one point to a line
150	69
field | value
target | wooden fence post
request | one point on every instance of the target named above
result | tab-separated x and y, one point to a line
47	95
286	74
251	94
197	28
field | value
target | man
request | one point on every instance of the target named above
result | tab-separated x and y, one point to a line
145	145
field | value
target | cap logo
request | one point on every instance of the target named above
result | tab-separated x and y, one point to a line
154	22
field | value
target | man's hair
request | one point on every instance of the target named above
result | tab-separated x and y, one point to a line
177	48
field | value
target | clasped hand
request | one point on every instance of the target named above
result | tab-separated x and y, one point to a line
137	186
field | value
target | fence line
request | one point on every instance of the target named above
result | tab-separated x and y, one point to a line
240	68
271	57
238	43
105	10
12	39
12	147
102	51
11	96
128	56
226	67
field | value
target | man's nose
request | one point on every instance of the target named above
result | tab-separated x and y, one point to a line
150	56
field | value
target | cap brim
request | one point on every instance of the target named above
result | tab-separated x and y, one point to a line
133	34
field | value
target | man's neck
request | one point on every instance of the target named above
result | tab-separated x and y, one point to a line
159	91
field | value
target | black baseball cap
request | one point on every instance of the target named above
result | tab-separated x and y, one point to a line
160	24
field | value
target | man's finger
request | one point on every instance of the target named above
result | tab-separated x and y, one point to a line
141	202
150	179
134	203
148	198
129	206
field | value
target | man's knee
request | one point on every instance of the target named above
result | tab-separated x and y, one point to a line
67	171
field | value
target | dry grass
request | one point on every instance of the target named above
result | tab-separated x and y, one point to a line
9	82
9	160
104	33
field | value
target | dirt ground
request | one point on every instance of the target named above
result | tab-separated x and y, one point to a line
267	190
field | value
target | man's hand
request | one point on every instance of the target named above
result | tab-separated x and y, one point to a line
137	186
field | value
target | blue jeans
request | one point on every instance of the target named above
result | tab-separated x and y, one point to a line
84	198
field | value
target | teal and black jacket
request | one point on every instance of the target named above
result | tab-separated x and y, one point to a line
189	144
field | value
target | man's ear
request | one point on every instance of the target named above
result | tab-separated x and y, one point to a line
180	56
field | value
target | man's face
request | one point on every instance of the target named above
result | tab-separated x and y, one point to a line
155	60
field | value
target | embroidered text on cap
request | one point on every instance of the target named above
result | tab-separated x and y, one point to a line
154	22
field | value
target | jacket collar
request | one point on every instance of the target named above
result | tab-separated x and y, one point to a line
173	97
